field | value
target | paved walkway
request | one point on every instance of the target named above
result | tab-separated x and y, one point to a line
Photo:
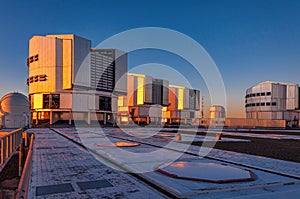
62	169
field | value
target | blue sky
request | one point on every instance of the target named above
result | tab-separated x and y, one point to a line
250	41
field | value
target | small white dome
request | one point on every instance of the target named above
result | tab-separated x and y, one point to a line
14	103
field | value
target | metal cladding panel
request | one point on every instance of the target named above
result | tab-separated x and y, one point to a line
217	112
292	97
114	103
156	112
280	116
186	98
278	91
130	90
81	58
49	58
180	98
148	84
103	69
67	64
157	91
266	87
266	115
288	115
281	104
185	114
172	99
197	100
256	88
123	101
175	114
140	90
160	91
97	104
80	102
15	121
291	115
92	102
121	61
249	90
165	97
143	111
59	65
37	101
66	100
194	99
83	74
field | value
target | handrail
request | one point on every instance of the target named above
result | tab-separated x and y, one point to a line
8	146
23	185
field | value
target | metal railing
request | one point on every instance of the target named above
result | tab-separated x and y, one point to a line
8	146
23	185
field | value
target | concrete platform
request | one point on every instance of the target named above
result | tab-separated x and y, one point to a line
264	169
62	169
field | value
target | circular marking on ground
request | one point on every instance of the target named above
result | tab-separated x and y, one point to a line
164	135
206	172
126	144
116	144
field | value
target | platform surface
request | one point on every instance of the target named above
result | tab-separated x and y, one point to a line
62	169
78	172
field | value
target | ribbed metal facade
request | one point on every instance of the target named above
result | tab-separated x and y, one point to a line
104	76
102	69
160	91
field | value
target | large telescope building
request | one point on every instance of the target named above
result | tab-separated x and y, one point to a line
184	105
146	99
68	80
153	101
273	101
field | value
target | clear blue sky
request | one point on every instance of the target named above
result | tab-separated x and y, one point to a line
250	41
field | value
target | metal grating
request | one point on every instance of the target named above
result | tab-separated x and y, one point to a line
53	189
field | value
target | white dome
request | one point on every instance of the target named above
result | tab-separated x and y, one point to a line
14	103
